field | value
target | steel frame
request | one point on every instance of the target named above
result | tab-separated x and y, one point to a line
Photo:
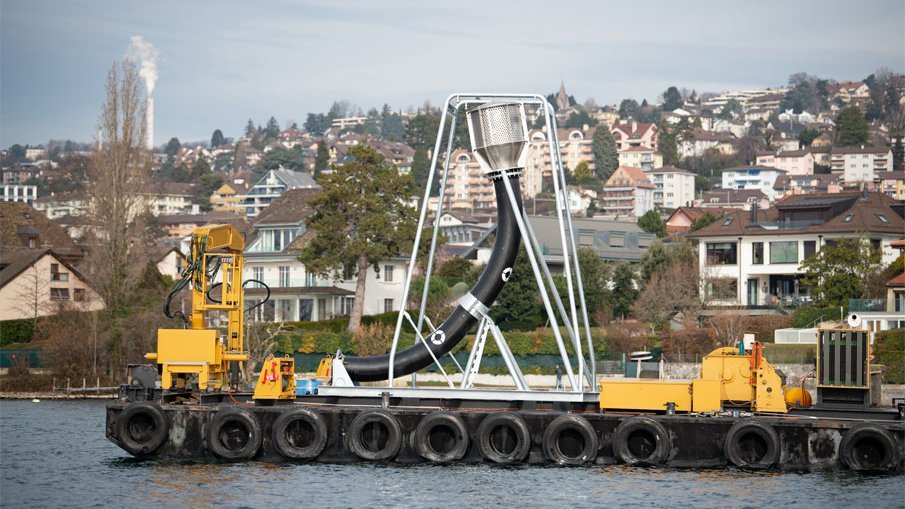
573	320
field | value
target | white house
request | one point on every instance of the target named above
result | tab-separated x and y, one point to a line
673	187
296	294
752	177
860	164
754	257
272	186
20	192
795	162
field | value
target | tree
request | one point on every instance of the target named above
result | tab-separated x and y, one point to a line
321	160
851	127
121	166
671	290
839	272
282	157
595	279
583	174
625	291
803	95
360	218
317	123
272	129
628	108
659	257
807	136
706	219
730	109
391	127
518	306
672	99
420	167
667	145
651	222
606	159
250	129
217	139
580	119
172	147
421	131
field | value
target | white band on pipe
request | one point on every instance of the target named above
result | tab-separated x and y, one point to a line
474	307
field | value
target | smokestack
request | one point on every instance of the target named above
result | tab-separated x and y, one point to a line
145	55
149	121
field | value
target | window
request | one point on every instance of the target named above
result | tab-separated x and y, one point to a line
784	252
306	307
881	217
59	294
848	218
388	273
810	247
79	295
387	305
728	221
722	289
285	310
284	276
757	253
721	253
257	273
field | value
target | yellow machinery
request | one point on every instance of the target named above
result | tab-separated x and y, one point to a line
198	351
277	379
727	376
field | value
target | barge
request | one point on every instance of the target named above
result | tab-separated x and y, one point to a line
186	403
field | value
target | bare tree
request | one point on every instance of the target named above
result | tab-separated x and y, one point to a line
671	291
261	342
119	175
32	294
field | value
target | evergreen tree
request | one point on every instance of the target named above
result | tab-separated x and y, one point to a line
667	145
851	127
217	139
361	218
321	160
172	147
518	305
672	99
250	128
273	128
625	292
628	108
651	222
606	159
420	167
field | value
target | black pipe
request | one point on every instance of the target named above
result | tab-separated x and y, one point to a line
486	290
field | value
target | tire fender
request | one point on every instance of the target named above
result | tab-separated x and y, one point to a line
553	435
518	430
421	438
233	434
752	444
357	443
142	428
285	441
644	432
869	448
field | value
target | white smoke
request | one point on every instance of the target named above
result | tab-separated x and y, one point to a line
145	54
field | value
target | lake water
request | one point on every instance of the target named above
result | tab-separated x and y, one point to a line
54	454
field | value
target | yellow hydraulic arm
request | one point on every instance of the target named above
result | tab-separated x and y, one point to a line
197	351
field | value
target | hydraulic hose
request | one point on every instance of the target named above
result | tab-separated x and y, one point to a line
461	320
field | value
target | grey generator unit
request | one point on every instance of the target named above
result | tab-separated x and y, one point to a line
843	376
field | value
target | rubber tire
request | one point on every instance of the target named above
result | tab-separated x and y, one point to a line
641	423
523	438
570	422
421	437
159	434
849	456
394	440
732	451
281	440
244	418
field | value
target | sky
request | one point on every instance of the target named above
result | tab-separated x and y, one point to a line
223	63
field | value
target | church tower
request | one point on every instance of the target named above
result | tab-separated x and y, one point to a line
562	99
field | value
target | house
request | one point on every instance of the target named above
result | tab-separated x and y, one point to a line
640	157
673	187
753	258
628	192
178	226
169	259
230	197
38	282
63	204
846	92
702	141
272	185
296	294
892	184
744	199
629	133
575	147
611	240
167	198
20	192
461	229
794	162
860	164
752	177
396	153
786	185
580	200
893	316
683	218
467	188
24	228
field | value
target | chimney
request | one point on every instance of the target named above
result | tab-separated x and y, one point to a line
754	213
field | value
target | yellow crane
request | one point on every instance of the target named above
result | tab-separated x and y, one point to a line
202	353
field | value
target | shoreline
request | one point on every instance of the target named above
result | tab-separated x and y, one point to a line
42	395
